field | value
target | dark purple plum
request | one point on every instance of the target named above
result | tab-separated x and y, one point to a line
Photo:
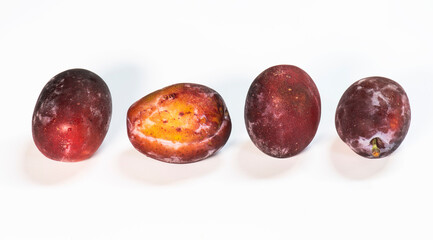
72	116
282	111
373	116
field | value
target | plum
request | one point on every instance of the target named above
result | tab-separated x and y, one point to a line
72	116
282	111
181	123
373	116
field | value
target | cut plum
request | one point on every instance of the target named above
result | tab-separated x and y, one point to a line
181	123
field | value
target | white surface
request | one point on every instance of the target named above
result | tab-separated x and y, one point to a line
326	192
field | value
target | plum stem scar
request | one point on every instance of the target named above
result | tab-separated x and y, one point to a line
375	151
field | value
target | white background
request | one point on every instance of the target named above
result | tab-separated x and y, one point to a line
326	192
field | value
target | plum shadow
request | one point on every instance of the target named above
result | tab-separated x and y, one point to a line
351	165
42	170
141	168
257	164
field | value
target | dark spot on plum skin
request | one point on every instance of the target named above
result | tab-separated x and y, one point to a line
170	96
178	129
181	114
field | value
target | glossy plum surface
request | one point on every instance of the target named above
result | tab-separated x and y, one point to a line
72	116
282	111
181	123
373	116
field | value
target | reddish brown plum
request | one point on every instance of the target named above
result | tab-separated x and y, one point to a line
282	111
373	116
72	116
181	123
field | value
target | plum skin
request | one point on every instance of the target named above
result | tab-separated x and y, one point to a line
282	111
72	116
373	116
181	123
